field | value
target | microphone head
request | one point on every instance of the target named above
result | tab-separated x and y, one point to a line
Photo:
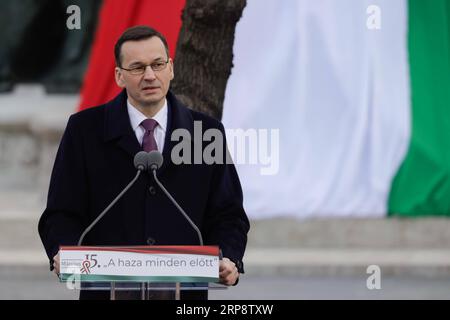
155	160
141	161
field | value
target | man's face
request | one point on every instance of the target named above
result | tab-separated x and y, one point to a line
147	90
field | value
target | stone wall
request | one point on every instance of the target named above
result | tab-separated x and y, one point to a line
31	126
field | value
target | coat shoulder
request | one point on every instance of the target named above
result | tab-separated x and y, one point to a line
87	121
88	115
208	122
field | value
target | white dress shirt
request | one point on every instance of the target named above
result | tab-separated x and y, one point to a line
136	118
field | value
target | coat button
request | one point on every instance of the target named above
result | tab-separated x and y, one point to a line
152	190
151	241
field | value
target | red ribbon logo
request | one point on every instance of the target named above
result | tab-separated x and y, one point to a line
86	267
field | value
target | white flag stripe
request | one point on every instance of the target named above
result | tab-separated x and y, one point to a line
338	92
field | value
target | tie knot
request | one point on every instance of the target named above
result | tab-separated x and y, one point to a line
149	124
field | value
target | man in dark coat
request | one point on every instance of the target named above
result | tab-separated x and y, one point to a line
95	162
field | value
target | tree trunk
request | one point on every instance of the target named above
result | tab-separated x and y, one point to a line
204	53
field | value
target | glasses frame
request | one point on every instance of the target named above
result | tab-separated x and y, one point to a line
144	68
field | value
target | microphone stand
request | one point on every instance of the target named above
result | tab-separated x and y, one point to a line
107	208
200	238
140	163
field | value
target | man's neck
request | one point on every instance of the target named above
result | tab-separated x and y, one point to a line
148	110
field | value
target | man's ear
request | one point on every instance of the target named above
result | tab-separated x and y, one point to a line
119	77
172	74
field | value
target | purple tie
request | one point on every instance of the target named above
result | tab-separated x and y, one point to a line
149	142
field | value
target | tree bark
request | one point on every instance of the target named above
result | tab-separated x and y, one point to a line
204	53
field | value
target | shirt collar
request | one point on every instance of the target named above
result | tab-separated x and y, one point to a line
136	117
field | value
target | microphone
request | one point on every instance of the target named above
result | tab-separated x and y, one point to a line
155	160
141	164
140	161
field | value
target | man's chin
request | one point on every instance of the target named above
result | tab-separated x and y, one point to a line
149	100
152	102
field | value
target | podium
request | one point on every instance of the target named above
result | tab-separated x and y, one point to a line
141	272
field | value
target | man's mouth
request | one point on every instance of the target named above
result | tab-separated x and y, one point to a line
149	88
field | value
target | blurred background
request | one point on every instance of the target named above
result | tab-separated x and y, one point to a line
358	91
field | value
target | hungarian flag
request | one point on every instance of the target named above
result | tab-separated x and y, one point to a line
360	93
115	17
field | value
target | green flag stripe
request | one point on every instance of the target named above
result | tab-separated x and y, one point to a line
64	277
422	185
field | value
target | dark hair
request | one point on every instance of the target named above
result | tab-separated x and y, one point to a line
135	34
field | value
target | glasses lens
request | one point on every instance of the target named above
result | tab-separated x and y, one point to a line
158	66
136	71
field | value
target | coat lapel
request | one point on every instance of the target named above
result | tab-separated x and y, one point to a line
178	117
118	127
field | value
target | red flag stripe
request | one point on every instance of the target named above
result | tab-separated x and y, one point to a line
204	250
115	17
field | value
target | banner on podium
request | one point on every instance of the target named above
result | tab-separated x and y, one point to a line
139	264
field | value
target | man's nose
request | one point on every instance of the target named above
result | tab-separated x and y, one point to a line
149	74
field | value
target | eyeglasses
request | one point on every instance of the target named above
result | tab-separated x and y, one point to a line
140	70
